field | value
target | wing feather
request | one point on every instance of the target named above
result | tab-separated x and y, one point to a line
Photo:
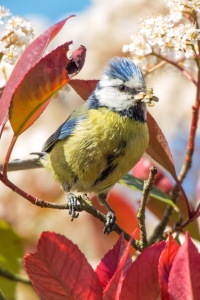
67	128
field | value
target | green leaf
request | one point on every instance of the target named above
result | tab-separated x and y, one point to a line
137	184
11	249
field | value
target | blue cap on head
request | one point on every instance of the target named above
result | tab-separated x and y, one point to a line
124	69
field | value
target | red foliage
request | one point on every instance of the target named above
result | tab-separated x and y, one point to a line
29	58
184	278
126	217
83	87
158	147
141	281
109	263
141	170
165	264
58	270
38	85
119	266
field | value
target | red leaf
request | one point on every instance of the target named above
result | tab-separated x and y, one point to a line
184	278
109	263
158	147
126	218
58	270
141	281
77	61
29	58
83	87
39	84
165	264
114	286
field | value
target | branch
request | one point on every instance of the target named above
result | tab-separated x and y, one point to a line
159	65
19	165
192	214
159	229
148	185
175	64
97	214
84	206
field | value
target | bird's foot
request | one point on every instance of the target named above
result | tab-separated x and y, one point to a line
73	206
110	222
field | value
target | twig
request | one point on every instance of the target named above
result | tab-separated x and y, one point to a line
159	65
7	274
19	165
175	64
183	172
83	206
97	214
159	229
193	214
148	184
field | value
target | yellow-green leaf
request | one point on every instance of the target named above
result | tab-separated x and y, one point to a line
137	184
11	250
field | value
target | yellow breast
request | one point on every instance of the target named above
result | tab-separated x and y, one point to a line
102	149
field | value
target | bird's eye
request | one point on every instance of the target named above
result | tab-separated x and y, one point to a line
122	88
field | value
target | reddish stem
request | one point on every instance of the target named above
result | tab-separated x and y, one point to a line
190	148
5	164
30	198
175	64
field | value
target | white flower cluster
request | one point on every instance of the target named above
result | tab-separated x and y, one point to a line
182	6
172	35
16	34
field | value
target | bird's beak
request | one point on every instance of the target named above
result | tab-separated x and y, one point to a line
147	97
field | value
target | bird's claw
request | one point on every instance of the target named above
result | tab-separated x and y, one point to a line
72	203
110	222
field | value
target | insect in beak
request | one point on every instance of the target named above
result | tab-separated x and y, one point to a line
147	97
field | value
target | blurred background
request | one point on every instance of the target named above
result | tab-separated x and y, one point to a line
103	27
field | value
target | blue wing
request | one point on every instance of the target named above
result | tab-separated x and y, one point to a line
61	133
66	128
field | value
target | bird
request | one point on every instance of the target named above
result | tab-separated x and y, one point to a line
103	139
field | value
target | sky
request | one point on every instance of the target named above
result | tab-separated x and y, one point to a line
51	10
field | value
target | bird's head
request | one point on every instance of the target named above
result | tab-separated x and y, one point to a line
122	87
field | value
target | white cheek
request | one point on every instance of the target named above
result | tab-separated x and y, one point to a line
112	98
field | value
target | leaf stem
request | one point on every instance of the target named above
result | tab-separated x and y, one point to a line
8	154
7	274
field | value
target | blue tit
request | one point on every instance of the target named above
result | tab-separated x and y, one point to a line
103	139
